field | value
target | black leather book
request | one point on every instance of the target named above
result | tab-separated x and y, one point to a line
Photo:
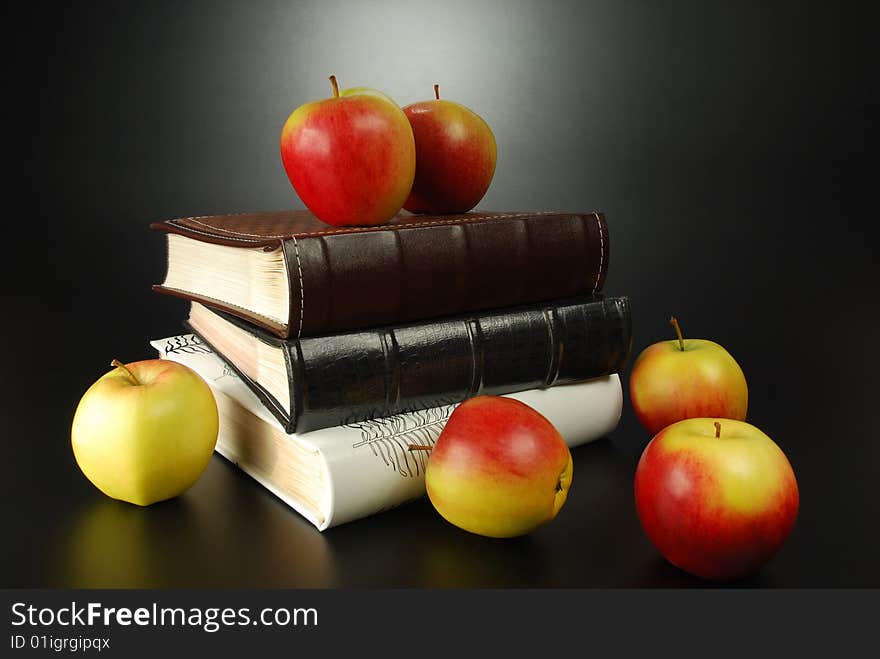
331	380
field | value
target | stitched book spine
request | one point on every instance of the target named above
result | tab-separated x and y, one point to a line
342	281
350	377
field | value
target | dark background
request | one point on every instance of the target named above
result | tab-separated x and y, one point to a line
727	143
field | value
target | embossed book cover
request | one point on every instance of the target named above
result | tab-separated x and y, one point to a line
323	381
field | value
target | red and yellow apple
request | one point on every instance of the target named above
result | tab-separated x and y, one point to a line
144	432
455	156
351	158
499	468
716	497
684	379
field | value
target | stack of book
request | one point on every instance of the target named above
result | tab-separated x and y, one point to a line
331	350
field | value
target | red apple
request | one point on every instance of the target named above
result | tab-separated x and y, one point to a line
684	379
455	157
499	468
716	497
351	158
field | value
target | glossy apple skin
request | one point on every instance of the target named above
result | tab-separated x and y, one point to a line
667	384
148	442
716	507
351	158
455	157
499	468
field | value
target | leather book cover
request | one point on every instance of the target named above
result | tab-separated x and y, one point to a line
349	377
413	268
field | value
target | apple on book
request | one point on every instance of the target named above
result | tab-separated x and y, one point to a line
716	497
686	378
498	469
455	156
144	432
351	158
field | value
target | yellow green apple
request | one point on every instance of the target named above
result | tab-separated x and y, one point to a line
351	158
499	468
145	431
716	497
684	379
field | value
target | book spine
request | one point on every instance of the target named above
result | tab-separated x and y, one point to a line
377	373
348	281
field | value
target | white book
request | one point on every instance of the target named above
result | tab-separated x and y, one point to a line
336	475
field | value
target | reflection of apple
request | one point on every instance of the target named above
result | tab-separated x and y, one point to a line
499	468
351	158
716	497
684	379
455	156
145	432
110	544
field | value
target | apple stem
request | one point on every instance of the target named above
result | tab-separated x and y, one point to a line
674	322
335	86
717	430
119	364
437	92
419	447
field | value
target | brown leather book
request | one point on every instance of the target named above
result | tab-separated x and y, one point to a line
289	273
